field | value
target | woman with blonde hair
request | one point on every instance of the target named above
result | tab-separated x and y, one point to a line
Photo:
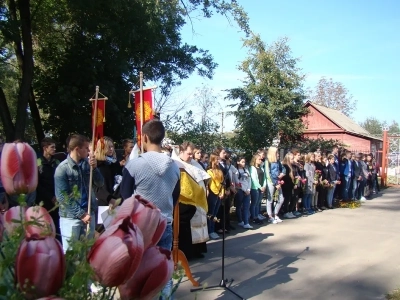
309	191
109	167
287	187
258	186
215	193
274	177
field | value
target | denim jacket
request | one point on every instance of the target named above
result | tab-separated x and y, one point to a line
67	175
275	170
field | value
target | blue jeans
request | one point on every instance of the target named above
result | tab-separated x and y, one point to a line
73	229
166	243
356	184
346	180
214	203
242	202
361	188
329	197
256	197
307	201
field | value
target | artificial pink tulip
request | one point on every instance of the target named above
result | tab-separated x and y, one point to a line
40	266
154	272
41	222
146	216
116	254
18	168
51	298
16	213
1	227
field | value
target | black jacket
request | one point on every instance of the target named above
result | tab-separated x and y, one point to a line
332	174
45	190
105	193
357	170
288	182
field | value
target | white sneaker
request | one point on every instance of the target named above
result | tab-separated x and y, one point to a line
214	236
278	220
261	217
272	220
240	224
287	216
363	199
247	226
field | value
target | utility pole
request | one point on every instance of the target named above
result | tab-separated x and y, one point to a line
222	123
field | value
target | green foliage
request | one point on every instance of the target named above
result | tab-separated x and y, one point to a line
203	134
80	44
373	126
270	103
311	145
333	95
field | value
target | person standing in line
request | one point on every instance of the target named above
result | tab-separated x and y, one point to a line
258	187
243	194
225	167
332	179
364	174
156	177
275	175
128	145
320	191
337	192
74	171
45	191
288	186
309	170
215	193
297	190
346	174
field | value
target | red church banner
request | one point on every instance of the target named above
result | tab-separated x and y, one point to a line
147	111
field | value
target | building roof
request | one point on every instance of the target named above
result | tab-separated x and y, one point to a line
342	121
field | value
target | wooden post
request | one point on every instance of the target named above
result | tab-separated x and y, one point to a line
385	151
141	109
94	122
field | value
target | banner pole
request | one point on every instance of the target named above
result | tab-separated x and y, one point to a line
141	109
94	122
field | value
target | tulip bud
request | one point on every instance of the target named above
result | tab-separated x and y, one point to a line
18	168
16	213
40	266
146	216
154	272
116	254
40	222
1	227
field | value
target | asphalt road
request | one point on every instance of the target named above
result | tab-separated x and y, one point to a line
337	254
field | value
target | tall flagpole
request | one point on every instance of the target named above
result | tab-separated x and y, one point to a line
141	109
94	122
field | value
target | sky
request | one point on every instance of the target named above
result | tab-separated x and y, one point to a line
353	42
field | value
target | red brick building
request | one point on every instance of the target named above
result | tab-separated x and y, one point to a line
332	124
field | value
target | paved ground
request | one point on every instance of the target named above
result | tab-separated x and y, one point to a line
337	254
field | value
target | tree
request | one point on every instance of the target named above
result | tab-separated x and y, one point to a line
203	134
270	104
393	127
306	145
373	126
79	44
333	95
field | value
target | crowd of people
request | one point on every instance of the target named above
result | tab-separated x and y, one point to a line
298	185
204	185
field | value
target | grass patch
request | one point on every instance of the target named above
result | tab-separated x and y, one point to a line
395	295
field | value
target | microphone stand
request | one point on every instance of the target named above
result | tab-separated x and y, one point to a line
224	281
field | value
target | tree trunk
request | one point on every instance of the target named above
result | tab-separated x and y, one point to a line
27	66
5	117
37	123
